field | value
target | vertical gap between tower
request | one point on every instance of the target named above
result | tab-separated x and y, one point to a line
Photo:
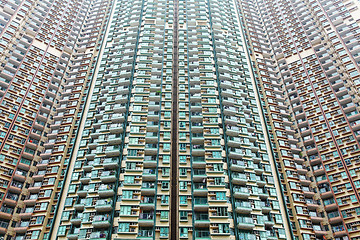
174	131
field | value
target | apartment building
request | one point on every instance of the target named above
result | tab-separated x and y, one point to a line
48	52
179	119
306	57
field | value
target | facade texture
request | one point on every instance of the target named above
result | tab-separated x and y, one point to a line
306	60
179	119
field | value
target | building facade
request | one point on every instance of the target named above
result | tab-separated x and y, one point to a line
179	119
306	60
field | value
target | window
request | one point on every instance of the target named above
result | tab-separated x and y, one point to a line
65	216
218	167
299	210
35	234
133	140
219	181
222	211
216	154
306	236
68	202
183	232
43	206
214	130
182	159
127	194
183	200
135	129
72	188
182	171
164	199
224	228
132	152
164	215
124	227
165	185
183	185
278	218
166	158
220	196
166	134
182	146
40	220
125	210
129	179
164	231
183	215
166	146
165	171
75	176
61	231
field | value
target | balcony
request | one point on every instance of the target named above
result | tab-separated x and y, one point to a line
108	177
105	191
319	231
150	161
243	207
27	213
80	205
114	139
325	193
239	178
315	217
232	131
3	227
202	234
198	150
148	188
199	174
200	189
241	193
152	126
202	220
236	153
112	151
146	219
198	162
99	236
268	222
339	231
76	219
85	179
22	227
145	234
230	111
312	204
110	163
6	212
201	204
149	175
151	149
245	223
334	217
237	165
73	236
152	137
101	221
147	203
103	205
197	127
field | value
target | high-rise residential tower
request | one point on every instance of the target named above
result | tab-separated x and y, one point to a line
305	56
179	119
